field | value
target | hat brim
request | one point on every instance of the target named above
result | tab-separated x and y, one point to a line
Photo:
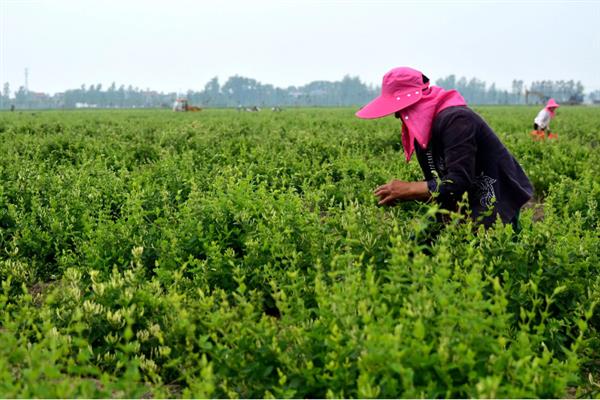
386	105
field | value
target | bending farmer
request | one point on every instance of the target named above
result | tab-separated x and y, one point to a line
541	123
457	151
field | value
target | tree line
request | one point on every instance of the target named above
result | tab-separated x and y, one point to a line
241	91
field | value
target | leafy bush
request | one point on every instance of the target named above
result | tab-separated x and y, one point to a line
224	254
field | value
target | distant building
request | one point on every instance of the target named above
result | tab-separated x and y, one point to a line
85	105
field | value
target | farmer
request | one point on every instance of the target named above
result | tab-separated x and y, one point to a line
541	123
457	151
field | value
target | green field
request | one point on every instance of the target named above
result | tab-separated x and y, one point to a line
226	254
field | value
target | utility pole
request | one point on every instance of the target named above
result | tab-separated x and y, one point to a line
26	80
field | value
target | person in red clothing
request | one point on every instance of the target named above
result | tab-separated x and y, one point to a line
456	149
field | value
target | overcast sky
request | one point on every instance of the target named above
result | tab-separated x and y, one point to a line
178	45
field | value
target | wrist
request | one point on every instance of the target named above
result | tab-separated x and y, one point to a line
419	191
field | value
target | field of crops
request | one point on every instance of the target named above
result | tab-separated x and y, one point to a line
226	254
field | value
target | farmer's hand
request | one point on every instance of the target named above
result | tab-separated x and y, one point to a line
396	190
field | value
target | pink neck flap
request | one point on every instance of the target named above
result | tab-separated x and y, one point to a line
418	118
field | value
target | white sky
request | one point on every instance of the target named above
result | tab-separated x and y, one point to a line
178	45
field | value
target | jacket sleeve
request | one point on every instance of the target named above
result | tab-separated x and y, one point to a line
459	152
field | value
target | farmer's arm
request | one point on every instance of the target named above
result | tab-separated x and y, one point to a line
458	137
400	190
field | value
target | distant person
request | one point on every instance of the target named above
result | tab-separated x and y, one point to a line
541	123
12	107
456	149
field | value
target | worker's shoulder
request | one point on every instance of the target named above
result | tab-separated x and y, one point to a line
457	111
457	114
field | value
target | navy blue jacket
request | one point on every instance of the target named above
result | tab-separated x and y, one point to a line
465	155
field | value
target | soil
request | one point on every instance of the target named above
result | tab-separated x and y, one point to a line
538	208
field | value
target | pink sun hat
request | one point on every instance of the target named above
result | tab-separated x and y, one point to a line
401	87
552	104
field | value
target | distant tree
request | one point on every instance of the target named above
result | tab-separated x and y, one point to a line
492	95
595	96
212	92
352	91
5	96
562	91
517	90
111	95
239	90
21	98
449	82
120	100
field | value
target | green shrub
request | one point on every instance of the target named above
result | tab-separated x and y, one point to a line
225	254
